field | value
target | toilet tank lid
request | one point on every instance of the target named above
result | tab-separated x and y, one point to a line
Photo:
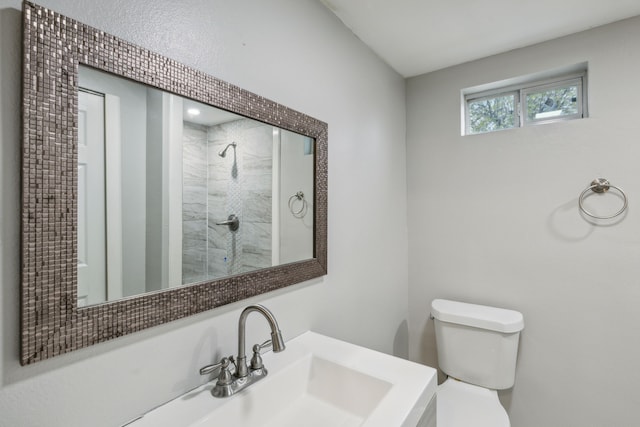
479	316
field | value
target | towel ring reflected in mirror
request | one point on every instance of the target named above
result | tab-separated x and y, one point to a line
298	205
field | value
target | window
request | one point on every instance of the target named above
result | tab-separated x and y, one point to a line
560	100
529	103
491	113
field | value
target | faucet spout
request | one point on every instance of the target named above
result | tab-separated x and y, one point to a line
276	336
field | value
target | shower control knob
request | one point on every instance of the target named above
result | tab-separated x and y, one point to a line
232	221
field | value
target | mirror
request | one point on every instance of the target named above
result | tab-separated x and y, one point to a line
172	191
161	255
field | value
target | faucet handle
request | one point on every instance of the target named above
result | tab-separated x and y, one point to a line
224	364
224	377
258	347
256	360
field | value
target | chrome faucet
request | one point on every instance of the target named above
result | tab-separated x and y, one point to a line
245	375
276	337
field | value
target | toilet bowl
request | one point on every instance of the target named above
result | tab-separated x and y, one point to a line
477	349
462	404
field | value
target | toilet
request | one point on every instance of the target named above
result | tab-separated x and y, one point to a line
477	350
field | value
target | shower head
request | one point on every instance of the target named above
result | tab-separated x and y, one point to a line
223	153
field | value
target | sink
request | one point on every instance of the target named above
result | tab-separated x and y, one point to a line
321	392
317	381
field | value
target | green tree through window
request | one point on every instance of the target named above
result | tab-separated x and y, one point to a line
490	114
552	103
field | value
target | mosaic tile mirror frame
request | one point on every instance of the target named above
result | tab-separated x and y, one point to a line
52	323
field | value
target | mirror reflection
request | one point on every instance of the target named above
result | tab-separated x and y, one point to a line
174	192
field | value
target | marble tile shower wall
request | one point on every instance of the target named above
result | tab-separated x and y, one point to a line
194	203
256	196
239	184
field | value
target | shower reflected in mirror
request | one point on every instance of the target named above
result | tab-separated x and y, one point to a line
160	175
223	153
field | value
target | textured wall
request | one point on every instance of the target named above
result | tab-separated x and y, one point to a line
494	220
296	53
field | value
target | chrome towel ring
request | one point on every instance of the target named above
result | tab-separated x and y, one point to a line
601	185
302	210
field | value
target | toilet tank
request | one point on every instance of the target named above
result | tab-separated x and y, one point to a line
477	344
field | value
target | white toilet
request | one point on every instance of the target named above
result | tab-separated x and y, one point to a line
477	350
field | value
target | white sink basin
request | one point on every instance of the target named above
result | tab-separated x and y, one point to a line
316	382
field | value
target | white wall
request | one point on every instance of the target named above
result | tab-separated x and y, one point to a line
296	53
494	220
296	174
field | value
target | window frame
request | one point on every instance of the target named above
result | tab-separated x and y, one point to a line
521	91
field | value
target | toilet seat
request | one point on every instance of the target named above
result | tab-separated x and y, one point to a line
466	405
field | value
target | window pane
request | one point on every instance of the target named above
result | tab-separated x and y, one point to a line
552	103
489	114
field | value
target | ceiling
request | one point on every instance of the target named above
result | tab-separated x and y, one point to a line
206	115
419	36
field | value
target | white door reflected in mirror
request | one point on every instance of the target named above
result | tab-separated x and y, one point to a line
92	243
